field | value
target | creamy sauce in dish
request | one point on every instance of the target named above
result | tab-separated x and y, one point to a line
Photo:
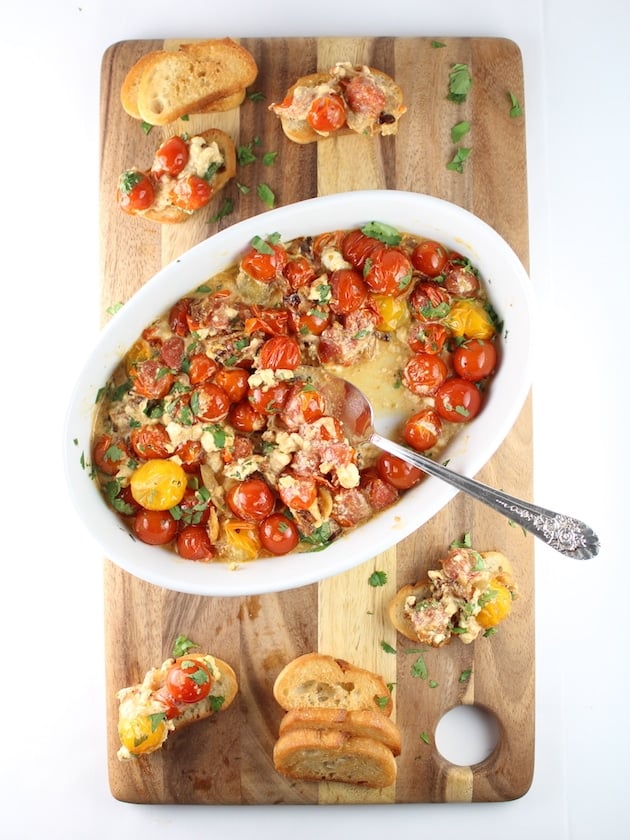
212	440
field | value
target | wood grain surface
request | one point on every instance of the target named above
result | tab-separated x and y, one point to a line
227	759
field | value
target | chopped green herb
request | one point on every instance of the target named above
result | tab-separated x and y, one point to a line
265	194
114	308
256	96
382	702
436	45
182	645
269	158
243	188
226	208
465	675
459	130
146	127
433	684
419	669
515	110
465	542
261	245
457	163
377	578
424	736
245	154
216	702
387	647
382	232
459	83
156	719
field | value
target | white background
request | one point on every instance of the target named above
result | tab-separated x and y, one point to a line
53	761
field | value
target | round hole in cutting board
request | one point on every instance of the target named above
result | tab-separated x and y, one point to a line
466	735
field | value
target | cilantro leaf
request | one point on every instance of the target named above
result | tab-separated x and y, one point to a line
459	130
459	83
377	578
382	232
457	163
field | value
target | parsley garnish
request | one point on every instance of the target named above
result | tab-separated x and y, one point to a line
515	110
182	645
387	647
457	163
266	194
459	130
459	83
382	232
377	578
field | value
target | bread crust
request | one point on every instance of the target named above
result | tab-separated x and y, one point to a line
328	755
396	607
319	680
170	214
298	129
363	723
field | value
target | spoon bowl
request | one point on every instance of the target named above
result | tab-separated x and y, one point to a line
353	409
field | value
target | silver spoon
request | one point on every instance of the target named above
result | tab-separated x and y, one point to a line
563	533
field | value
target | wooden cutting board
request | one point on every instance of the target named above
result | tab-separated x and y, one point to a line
227	759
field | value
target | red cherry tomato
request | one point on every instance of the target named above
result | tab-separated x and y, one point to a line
194	543
397	472
109	455
209	402
155	527
191	193
364	97
150	441
265	265
233	381
422	430
428	301
311	322
269	399
188	680
278	534
151	379
356	247
327	113
475	359
349	292
191	453
171	157
178	317
458	400
135	191
280	352
245	418
427	337
388	271
252	499
297	492
298	272
429	257
424	373
201	368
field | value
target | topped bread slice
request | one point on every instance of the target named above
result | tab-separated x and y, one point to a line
316	680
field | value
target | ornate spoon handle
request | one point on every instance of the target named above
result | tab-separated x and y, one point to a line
563	533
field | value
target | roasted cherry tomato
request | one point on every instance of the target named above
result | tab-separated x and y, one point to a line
209	402
151	441
357	247
155	527
475	359
142	734
312	322
245	418
188	680
152	379
158	484
191	193
393	312
178	317
397	472
265	262
278	534
469	318
201	368
458	400
269	321
349	292
172	352
171	158
388	271
364	97
269	399
327	113
297	492
422	430
251	500
135	191
109	455
424	373
497	606
427	337
280	352
191	454
243	539
195	507
193	543
233	381
429	257
298	272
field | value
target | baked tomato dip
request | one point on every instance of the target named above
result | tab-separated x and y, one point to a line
212	439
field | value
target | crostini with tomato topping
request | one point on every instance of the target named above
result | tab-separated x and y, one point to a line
348	99
186	174
187	687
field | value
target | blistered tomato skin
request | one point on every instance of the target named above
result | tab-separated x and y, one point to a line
213	437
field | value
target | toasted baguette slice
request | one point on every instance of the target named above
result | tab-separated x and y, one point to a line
329	756
316	680
131	83
363	723
293	110
146	700
396	609
175	83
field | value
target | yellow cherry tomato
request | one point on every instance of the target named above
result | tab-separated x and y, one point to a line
469	319
140	352
142	734
497	605
393	312
158	484
242	538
